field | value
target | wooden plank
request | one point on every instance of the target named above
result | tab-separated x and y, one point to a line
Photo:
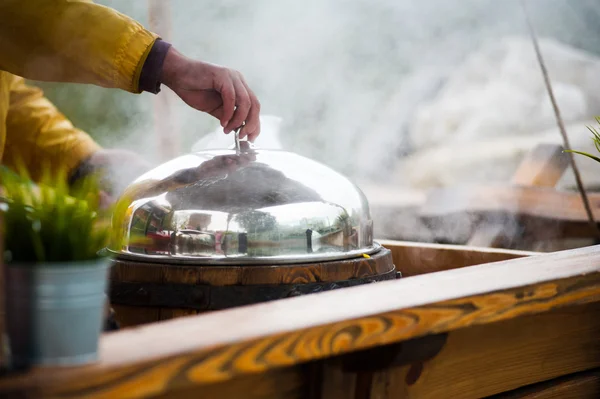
521	201
289	383
538	234
3	331
487	359
219	346
413	259
584	385
128	316
511	354
131	316
253	274
138	305
542	167
524	350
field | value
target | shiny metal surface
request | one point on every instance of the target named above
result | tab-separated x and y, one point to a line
242	206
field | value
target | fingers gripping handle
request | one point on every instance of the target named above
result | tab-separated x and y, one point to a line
241	146
238	147
237	139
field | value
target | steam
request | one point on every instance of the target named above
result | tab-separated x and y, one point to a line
269	136
345	77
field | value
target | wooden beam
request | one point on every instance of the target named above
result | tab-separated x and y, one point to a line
542	167
525	351
290	383
219	346
518	201
246	285
509	355
3	331
479	361
413	259
583	385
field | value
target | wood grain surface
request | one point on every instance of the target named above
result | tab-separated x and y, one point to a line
253	275
273	280
583	385
288	383
2	298
543	166
482	360
410	258
413	259
217	347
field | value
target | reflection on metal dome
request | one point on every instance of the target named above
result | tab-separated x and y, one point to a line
242	206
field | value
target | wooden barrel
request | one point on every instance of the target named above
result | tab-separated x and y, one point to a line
147	292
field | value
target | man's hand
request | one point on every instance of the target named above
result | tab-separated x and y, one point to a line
219	91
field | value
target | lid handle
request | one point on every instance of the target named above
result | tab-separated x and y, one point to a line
238	147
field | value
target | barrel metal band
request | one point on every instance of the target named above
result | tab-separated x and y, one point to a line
207	297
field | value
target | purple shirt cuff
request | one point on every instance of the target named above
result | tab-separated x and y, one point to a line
150	75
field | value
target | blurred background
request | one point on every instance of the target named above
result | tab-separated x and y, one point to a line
414	94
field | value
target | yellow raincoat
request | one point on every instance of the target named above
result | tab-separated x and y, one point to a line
60	41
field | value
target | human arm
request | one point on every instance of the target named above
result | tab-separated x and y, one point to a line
82	42
44	141
72	41
39	136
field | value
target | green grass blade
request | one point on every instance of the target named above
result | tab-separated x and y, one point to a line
595	158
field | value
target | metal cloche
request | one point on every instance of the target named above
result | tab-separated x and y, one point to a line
242	206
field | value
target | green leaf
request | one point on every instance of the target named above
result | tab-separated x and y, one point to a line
50	221
595	139
595	158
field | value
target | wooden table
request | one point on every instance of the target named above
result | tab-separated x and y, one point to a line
524	327
526	213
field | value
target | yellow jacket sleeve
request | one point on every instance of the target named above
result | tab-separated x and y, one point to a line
72	41
39	135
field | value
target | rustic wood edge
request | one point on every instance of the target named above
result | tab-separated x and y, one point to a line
2	297
328	271
416	258
525	351
586	384
510	253
413	259
222	345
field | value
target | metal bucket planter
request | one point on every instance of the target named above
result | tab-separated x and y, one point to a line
55	312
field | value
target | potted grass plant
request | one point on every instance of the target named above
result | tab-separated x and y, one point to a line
56	277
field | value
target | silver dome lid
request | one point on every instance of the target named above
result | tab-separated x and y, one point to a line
242	206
